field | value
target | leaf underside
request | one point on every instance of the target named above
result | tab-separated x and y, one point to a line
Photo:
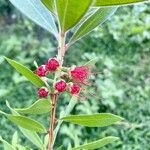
37	12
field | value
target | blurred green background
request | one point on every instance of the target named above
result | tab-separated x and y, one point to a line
121	83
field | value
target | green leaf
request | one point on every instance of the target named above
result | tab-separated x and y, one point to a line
116	2
37	81
71	11
15	139
92	62
31	135
37	12
46	140
39	107
7	146
96	19
97	144
26	123
3	113
49	4
95	120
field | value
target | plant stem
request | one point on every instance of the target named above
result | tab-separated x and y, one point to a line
61	49
52	122
68	109
60	57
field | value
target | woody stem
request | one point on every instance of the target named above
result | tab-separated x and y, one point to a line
52	122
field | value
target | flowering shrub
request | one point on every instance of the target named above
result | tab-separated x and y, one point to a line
66	79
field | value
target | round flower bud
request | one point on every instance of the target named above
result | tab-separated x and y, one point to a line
43	92
79	74
52	64
60	86
41	71
74	89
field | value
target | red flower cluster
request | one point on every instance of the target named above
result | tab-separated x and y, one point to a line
75	77
51	65
80	74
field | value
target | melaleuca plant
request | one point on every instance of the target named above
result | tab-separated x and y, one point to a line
68	21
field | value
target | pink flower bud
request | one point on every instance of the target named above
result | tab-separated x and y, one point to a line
74	89
41	71
43	92
60	86
52	64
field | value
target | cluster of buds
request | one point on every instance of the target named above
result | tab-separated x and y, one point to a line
71	80
51	66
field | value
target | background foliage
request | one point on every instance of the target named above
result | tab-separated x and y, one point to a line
121	81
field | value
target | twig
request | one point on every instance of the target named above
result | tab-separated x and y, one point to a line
52	121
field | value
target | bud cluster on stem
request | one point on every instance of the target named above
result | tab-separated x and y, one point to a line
65	80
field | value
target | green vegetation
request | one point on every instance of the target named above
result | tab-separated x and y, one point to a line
121	84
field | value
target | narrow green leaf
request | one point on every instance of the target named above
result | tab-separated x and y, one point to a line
95	120
15	139
37	12
116	2
96	19
49	4
39	107
31	135
46	140
3	113
97	144
7	146
92	62
26	123
37	81
71	11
